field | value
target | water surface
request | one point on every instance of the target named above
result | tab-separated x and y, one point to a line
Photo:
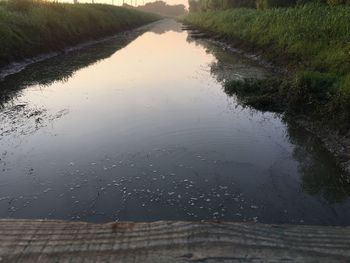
139	128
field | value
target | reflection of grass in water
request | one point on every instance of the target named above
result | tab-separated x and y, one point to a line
318	177
261	94
321	96
62	67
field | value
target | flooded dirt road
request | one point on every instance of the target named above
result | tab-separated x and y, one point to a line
139	128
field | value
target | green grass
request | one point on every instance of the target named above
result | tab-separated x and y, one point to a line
29	28
313	40
318	35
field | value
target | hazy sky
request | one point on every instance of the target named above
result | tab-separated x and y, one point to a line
177	2
119	2
170	2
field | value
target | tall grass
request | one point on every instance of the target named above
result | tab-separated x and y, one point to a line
29	28
318	35
207	5
314	38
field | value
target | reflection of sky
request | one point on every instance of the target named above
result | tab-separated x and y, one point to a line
133	2
139	66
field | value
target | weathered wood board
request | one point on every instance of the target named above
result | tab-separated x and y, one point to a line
61	241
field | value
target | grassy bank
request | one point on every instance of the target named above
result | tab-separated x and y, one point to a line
318	35
313	40
29	28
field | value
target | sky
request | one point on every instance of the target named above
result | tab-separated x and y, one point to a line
120	2
170	2
174	2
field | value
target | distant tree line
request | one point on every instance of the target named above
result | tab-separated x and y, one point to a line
205	5
163	9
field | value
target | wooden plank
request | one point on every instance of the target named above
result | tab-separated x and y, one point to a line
164	241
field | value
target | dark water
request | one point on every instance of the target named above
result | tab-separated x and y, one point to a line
139	128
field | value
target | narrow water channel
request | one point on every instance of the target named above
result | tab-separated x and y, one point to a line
139	128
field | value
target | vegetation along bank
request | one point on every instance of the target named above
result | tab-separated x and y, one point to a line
312	40
29	28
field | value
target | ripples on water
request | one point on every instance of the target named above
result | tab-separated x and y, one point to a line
139	128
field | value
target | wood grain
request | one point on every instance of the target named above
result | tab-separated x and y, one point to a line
163	241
